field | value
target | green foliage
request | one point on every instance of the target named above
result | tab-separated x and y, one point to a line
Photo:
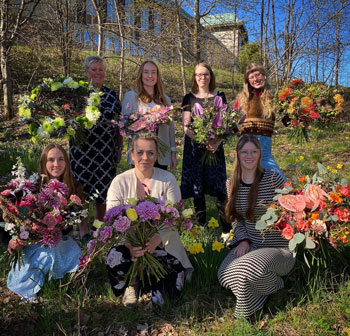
250	53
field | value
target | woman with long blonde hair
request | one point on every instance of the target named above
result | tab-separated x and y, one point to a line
255	100
148	93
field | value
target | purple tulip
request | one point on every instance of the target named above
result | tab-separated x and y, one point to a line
217	102
217	121
224	107
197	109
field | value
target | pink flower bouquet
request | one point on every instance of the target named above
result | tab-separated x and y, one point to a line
309	210
32	216
136	223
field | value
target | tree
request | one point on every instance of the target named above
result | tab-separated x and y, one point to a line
13	18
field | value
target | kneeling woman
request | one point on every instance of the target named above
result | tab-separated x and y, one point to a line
166	246
38	260
253	268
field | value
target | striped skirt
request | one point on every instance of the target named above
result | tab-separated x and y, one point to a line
254	276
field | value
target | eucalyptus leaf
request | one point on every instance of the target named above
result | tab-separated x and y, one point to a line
321	168
309	243
292	245
344	182
299	237
260	225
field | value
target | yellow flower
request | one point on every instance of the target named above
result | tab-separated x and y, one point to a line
97	224
178	182
131	213
195	231
217	246
196	248
231	235
132	201
339	98
29	150
328	168
213	223
347	138
301	158
334	171
296	160
11	157
339	166
293	151
187	213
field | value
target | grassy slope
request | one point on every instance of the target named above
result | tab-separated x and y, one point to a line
309	305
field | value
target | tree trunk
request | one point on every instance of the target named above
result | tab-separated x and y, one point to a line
196	32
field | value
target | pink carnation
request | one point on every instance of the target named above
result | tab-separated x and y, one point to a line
106	233
75	199
122	224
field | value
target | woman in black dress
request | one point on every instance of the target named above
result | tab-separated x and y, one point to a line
94	162
199	179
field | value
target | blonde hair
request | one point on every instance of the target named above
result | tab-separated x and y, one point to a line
246	95
158	95
235	180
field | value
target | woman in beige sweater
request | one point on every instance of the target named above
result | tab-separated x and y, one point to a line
145	179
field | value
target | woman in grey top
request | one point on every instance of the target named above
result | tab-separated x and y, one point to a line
148	93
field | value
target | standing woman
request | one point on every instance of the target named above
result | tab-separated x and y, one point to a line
199	179
38	261
254	266
255	101
148	93
94	162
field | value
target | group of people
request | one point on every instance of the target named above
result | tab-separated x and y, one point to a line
253	268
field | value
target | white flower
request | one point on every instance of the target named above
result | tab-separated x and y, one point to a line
157	297
114	258
9	226
318	226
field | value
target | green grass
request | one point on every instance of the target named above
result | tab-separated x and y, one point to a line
312	303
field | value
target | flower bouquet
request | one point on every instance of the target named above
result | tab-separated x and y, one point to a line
147	120
212	122
310	210
302	104
62	107
31	215
136	222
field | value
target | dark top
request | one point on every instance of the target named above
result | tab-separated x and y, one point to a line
199	179
94	162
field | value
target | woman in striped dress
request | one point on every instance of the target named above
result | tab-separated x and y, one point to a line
254	266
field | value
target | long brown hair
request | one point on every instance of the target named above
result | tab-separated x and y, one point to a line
67	176
247	93
235	180
212	83
158	95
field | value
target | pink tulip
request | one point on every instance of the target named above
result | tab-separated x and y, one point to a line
217	102
217	121
197	109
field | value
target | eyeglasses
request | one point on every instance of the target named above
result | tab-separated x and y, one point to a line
256	76
205	75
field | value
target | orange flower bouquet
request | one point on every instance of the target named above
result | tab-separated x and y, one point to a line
301	104
310	210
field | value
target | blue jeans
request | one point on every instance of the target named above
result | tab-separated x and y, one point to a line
267	160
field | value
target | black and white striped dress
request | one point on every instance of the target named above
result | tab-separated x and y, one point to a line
255	275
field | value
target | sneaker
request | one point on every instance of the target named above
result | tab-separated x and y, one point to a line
131	295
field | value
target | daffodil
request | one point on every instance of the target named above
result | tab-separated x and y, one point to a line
217	246
97	224
213	223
